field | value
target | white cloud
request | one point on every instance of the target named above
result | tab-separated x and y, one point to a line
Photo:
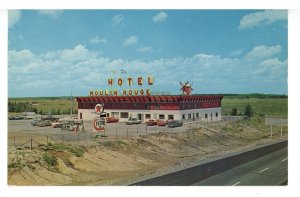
273	67
236	53
98	40
263	51
160	17
50	13
13	17
144	49
80	69
118	20
131	40
262	17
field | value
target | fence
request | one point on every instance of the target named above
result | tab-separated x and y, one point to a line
27	142
276	121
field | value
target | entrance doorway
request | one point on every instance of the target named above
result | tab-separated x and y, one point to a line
140	117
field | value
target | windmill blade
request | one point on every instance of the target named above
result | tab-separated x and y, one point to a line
181	84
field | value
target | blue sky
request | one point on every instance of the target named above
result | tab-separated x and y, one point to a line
54	52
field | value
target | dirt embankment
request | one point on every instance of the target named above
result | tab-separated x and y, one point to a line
122	160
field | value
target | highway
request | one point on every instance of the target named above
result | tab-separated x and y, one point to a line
266	165
268	170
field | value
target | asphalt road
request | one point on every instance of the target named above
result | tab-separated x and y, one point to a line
268	170
269	159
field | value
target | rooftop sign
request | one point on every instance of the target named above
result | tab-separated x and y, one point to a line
125	92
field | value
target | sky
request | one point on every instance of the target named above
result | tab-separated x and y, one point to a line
59	52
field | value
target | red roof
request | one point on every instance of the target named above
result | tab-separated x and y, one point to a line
151	99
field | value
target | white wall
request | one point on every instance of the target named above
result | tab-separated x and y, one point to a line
202	113
88	114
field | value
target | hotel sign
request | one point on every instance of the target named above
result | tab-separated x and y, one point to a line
125	92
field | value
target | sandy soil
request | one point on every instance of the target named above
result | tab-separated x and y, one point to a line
121	161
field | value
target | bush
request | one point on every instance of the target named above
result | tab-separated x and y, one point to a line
248	111
51	160
234	111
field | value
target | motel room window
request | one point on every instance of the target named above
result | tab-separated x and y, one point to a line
197	115
183	116
115	114
124	114
147	116
170	117
205	115
189	116
147	106
217	114
157	106
161	116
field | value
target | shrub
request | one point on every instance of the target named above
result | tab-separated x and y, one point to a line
248	111
234	111
51	160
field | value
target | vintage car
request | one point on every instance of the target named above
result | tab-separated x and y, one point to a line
44	123
131	121
51	118
175	123
111	120
161	123
151	122
35	121
18	117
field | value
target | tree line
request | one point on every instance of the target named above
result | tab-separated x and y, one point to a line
19	107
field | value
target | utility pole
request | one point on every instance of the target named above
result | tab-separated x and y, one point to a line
71	105
271	130
281	127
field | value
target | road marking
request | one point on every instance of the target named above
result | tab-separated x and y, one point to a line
236	184
263	170
284	160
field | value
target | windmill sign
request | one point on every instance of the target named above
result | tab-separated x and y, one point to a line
186	88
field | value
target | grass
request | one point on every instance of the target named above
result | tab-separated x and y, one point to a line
48	105
76	150
51	160
262	105
277	107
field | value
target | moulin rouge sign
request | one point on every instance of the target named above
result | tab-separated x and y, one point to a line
125	92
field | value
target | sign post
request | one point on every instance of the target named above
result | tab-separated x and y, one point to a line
99	123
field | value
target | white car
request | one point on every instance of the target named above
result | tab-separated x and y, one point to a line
133	121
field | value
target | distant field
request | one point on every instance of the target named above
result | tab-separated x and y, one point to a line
262	106
267	106
49	105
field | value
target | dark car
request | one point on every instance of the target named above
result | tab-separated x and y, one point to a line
51	118
175	123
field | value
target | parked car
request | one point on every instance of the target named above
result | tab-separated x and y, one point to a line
111	120
44	123
161	123
51	118
175	123
15	117
151	122
131	121
33	123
